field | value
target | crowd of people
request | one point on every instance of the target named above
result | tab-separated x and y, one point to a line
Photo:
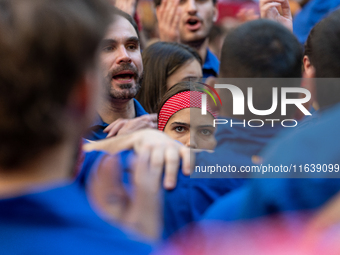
106	137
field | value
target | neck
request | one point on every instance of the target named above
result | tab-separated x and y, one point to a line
200	46
52	167
117	108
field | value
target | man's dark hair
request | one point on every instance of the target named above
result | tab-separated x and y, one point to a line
118	12
322	48
263	49
158	2
46	46
160	60
260	49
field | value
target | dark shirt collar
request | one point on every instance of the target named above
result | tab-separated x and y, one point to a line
95	131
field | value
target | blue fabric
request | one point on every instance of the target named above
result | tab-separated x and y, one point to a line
191	197
95	131
316	144
60	221
211	65
312	13
125	159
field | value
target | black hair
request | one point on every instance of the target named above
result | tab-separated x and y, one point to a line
261	48
118	12
323	51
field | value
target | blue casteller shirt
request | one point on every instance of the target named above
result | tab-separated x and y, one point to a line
58	221
310	14
95	132
316	144
211	65
192	196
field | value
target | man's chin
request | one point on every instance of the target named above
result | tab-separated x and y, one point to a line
193	37
124	92
122	96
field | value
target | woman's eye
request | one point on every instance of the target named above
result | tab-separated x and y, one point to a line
179	129
206	132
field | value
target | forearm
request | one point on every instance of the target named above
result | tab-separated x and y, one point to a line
112	145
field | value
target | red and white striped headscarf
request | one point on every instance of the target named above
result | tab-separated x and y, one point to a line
187	99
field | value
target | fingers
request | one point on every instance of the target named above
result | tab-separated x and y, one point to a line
161	7
105	189
142	163
152	117
148	171
168	20
270	11
133	126
172	158
246	14
171	11
188	160
145	210
286	10
156	164
263	2
109	127
115	129
176	19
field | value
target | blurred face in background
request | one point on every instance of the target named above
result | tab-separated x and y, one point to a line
192	129
190	70
197	18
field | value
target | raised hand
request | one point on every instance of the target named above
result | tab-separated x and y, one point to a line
138	210
269	10
247	14
168	16
128	6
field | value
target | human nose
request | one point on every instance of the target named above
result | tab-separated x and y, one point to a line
191	142
191	7
123	56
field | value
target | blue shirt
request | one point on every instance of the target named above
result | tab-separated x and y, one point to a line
211	65
312	13
192	196
316	144
95	132
58	221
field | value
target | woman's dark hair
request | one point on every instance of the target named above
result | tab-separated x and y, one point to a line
178	88
160	60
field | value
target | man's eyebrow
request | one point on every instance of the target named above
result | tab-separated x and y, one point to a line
133	39
180	123
108	42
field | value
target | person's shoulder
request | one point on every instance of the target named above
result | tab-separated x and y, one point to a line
64	223
308	142
229	207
